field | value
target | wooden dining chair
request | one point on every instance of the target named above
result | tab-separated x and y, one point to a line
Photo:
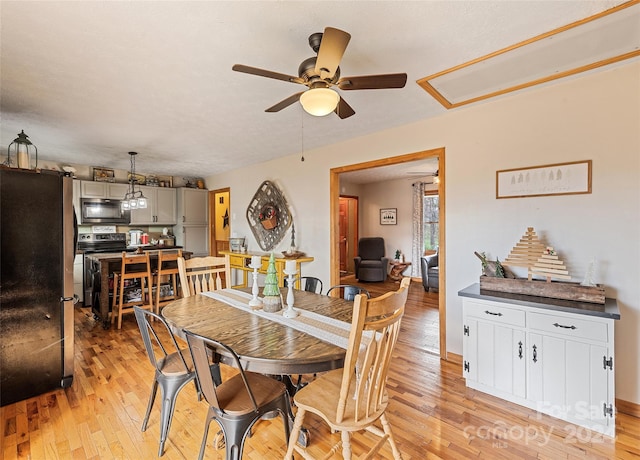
355	398
167	276
239	400
132	286
174	368
349	291
201	274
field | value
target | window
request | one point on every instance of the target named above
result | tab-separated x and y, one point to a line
431	216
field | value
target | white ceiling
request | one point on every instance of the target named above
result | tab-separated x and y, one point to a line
89	81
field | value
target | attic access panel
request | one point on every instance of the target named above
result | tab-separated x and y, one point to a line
268	216
599	40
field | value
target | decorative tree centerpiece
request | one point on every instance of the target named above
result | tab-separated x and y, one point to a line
271	299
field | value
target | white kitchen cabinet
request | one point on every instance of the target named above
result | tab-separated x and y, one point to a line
193	206
76	198
92	189
193	238
555	357
116	191
160	210
78	275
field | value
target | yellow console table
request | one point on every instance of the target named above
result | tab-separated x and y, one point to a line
241	261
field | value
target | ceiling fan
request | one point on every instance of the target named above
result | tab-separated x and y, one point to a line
320	73
435	175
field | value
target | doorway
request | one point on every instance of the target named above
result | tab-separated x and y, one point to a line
334	185
220	212
348	222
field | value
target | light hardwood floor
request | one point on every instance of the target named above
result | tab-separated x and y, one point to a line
432	413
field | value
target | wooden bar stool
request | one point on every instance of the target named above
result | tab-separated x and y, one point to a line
132	286
167	276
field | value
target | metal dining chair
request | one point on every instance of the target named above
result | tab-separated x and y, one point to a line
307	283
174	368
349	291
354	398
239	400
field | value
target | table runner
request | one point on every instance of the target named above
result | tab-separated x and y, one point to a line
322	327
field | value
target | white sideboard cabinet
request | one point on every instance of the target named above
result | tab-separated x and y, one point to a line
553	356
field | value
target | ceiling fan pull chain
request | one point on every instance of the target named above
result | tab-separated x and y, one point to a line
302	135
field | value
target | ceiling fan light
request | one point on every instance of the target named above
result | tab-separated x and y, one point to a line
319	101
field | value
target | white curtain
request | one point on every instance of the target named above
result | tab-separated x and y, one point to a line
417	243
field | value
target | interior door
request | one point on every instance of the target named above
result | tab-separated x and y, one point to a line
220	210
344	229
348	224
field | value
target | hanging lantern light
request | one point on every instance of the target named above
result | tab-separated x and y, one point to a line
133	199
19	153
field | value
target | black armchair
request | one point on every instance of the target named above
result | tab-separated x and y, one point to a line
371	264
430	272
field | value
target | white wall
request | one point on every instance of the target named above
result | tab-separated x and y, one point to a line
389	194
594	117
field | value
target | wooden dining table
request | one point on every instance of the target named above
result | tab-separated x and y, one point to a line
264	346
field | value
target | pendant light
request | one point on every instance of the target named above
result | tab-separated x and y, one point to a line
22	148
133	199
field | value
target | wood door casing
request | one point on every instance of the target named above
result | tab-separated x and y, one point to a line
334	200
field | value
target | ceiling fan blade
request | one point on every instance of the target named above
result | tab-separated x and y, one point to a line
267	73
390	80
334	43
344	110
285	102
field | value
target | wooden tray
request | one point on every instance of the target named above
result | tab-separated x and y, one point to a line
541	288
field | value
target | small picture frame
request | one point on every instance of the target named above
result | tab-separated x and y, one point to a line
388	216
103	175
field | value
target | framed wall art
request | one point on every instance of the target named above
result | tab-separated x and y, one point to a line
388	216
554	179
103	175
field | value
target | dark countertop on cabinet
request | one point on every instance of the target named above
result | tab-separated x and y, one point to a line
607	310
116	256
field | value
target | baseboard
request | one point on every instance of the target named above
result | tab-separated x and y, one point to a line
628	408
454	358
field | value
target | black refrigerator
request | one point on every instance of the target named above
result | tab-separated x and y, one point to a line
38	237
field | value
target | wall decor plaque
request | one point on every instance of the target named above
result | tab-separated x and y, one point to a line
555	179
268	215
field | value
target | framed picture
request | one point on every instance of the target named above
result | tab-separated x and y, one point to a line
103	175
554	179
388	216
137	178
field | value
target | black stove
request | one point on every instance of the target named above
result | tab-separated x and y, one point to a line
92	243
102	242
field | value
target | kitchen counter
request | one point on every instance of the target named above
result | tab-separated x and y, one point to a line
107	263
